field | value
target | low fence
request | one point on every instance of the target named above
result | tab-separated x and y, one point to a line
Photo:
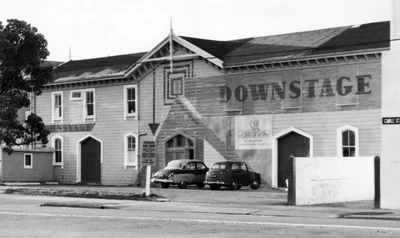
322	180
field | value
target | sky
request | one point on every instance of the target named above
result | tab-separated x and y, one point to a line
86	29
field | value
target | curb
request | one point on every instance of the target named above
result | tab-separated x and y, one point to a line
85	194
371	216
75	205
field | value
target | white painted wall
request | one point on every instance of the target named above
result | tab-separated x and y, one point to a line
390	160
322	180
211	155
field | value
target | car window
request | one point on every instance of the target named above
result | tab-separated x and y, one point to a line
218	166
200	166
190	166
235	166
174	165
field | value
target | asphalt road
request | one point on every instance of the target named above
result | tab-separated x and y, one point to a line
43	216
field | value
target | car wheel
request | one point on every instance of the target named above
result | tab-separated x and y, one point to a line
215	186
234	185
182	185
165	185
255	184
200	185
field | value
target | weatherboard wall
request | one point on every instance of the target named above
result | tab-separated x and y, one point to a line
109	124
13	166
320	113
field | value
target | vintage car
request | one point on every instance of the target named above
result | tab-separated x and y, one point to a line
182	173
232	174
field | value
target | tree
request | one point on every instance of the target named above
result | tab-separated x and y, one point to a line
22	50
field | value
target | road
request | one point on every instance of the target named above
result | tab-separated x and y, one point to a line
41	216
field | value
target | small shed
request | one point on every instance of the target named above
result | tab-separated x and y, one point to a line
27	165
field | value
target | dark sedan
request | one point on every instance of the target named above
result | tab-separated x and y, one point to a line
232	174
182	173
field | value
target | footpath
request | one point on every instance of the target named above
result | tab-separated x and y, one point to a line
264	201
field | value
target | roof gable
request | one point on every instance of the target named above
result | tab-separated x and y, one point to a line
233	53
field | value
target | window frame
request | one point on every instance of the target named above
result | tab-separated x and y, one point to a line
126	113
71	98
179	80
31	161
85	110
55	163
126	150
53	106
339	137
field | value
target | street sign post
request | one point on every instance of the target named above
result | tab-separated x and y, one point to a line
148	158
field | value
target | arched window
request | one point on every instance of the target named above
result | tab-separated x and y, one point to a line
347	141
131	146
58	151
179	147
58	157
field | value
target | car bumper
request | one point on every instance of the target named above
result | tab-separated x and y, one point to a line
156	180
214	182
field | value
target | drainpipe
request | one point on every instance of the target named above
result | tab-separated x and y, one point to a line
138	138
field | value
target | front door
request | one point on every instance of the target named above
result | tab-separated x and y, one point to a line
90	161
292	144
179	147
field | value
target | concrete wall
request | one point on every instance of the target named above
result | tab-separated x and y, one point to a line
321	180
390	159
13	167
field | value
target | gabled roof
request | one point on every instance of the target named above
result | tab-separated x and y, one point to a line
95	68
234	53
49	63
297	45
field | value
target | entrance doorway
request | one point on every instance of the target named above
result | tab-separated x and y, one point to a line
179	147
290	144
90	161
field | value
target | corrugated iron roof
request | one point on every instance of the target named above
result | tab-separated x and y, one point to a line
297	45
95	68
246	51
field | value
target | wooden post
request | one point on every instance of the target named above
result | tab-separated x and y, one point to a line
291	200
148	175
377	169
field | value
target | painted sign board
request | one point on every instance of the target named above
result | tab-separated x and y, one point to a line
253	132
148	153
390	120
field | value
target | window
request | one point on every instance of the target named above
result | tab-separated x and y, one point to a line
347	137
57	110
28	161
348	143
130	101
58	150
89	104
75	95
131	146
176	86
200	166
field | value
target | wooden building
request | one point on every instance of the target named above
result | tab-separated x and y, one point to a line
260	100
